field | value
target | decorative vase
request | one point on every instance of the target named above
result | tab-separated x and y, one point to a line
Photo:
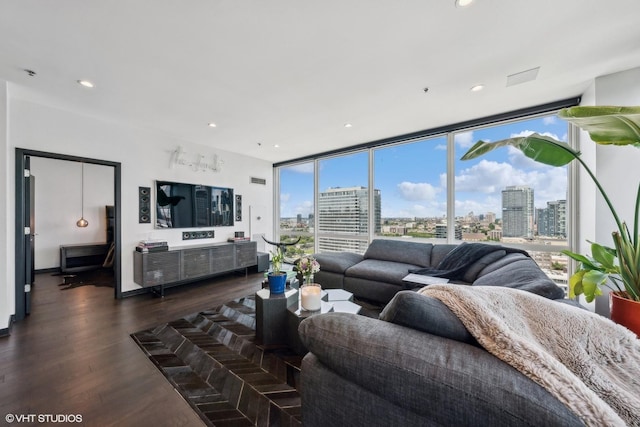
277	282
308	279
625	311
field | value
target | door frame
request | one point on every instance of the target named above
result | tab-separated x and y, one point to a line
20	223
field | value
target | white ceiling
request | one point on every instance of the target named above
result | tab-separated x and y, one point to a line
294	72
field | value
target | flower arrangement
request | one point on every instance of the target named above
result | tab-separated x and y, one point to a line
307	266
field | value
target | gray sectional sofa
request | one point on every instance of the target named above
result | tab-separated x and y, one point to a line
417	365
377	275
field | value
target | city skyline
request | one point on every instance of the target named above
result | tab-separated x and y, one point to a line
412	177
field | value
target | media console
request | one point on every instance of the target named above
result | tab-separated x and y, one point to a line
191	263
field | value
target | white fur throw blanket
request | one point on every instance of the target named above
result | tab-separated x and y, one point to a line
589	363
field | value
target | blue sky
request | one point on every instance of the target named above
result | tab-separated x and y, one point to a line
412	177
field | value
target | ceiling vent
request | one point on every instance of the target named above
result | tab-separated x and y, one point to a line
522	77
260	181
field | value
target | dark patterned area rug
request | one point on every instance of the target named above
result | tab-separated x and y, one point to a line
212	360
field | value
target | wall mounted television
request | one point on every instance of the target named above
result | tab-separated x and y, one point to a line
180	205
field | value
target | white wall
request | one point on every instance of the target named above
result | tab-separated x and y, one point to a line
618	167
7	294
58	205
145	157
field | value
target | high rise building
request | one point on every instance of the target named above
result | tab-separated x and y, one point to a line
552	220
345	211
517	211
442	232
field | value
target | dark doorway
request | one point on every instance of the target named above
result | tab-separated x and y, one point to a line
24	216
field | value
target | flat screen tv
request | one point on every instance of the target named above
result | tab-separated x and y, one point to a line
180	205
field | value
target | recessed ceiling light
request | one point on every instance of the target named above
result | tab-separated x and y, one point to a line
348	125
463	3
85	83
212	125
276	146
477	88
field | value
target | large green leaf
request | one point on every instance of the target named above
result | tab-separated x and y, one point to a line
606	125
540	148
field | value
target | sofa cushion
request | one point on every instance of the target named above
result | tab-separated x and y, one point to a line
475	268
380	271
519	272
447	382
426	314
418	254
337	262
439	252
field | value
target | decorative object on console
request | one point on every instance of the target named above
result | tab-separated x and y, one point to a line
619	266
238	236
146	246
82	223
144	205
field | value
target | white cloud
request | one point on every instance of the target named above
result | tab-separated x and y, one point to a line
530	132
464	139
550	120
488	177
302	167
284	197
442	147
417	191
304	208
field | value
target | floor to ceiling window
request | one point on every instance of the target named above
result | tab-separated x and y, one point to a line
508	198
412	185
343	203
296	207
417	188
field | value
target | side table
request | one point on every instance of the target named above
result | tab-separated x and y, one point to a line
271	316
296	314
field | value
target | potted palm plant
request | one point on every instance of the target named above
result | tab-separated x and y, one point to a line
617	267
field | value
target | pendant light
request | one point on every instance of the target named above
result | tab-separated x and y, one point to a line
82	222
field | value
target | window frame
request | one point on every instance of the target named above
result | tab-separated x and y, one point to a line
449	132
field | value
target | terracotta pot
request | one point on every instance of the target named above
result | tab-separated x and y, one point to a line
625	311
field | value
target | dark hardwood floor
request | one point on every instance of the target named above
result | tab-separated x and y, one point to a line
74	355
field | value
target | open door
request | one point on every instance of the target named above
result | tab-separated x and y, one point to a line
29	234
25	231
25	234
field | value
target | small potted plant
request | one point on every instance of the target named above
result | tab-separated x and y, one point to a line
617	267
277	278
307	266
